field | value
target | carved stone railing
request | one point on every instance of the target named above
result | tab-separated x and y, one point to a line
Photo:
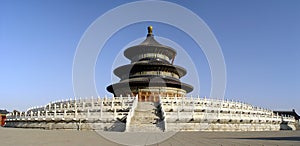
216	110
107	109
131	113
77	109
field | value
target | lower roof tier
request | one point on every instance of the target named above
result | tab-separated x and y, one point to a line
149	82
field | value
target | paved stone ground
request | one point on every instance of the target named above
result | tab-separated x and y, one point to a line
37	137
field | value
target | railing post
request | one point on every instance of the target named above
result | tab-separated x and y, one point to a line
38	113
182	103
177	112
68	105
113	102
65	113
99	99
46	114
75	114
101	109
54	110
92	102
61	105
31	114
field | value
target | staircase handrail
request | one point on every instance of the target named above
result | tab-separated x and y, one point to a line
131	112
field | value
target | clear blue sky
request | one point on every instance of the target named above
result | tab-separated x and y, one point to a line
260	42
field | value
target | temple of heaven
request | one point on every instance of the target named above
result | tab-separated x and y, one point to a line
151	98
151	73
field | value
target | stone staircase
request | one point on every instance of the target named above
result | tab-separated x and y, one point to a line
147	118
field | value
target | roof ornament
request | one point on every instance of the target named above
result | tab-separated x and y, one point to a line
150	31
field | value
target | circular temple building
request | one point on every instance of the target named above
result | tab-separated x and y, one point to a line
151	73
154	101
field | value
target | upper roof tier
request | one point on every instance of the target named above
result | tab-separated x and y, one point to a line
148	66
149	45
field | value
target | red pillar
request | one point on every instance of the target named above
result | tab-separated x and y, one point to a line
2	119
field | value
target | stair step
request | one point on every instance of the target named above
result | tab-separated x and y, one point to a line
145	118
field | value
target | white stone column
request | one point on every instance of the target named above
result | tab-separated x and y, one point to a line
98	100
115	114
75	114
92	102
101	109
105	98
75	108
88	114
177	112
75	105
61	106
65	113
68	105
31	114
38	113
182	103
113	102
54	115
46	114
193	102
83	105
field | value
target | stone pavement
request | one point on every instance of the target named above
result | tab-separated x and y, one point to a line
37	137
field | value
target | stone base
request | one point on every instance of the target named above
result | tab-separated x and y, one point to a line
116	126
120	127
227	127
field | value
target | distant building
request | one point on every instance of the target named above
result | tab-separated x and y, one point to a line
291	114
288	113
3	114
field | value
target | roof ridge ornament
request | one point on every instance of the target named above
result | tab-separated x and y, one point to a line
150	28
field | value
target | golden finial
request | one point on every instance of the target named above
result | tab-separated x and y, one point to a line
150	29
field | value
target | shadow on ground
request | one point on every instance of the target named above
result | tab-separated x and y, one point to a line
271	138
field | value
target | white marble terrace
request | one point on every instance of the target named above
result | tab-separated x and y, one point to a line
173	110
